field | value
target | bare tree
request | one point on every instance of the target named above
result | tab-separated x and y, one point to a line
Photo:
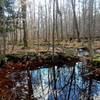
23	5
75	19
90	25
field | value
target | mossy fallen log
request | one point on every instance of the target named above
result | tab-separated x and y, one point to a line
44	59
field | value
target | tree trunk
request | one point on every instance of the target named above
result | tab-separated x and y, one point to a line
23	4
75	19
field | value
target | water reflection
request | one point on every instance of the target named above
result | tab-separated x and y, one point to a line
63	83
54	83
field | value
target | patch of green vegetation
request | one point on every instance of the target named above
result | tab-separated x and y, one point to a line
96	57
96	60
20	44
15	57
3	58
70	52
22	54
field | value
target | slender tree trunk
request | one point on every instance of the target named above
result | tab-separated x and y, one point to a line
46	23
53	40
90	26
57	32
38	31
3	31
53	31
61	27
20	30
75	19
49	21
65	20
23	4
84	17
34	33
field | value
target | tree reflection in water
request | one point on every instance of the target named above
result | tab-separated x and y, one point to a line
54	83
63	83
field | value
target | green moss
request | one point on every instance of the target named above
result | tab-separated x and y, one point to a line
96	57
70	52
21	54
2	57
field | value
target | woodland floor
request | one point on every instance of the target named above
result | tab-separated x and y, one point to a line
45	47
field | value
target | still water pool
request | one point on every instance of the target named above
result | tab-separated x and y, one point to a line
63	83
